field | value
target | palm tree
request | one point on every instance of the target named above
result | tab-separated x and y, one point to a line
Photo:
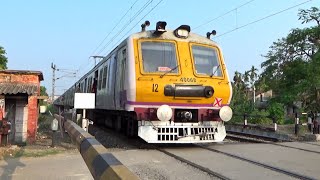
237	79
253	75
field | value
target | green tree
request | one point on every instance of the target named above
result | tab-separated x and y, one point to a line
3	59
43	92
291	66
276	110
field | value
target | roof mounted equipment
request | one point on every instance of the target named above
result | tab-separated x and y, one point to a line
144	25
213	32
160	28
182	31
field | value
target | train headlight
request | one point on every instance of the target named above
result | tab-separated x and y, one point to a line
182	31
225	113
164	113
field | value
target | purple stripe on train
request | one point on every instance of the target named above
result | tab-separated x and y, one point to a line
171	104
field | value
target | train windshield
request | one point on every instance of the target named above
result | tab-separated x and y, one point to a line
206	61
159	57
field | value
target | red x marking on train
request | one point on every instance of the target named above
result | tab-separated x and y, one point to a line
217	102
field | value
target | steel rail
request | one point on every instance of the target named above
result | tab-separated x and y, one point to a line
276	169
282	145
204	169
301	149
253	136
310	143
245	139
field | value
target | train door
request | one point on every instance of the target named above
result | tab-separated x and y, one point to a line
112	78
120	93
95	82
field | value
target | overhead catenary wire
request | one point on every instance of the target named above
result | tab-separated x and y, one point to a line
114	27
88	60
126	25
266	17
138	22
228	12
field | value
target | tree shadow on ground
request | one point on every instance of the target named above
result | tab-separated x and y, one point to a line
9	166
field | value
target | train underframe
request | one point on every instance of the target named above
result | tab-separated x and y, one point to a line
155	131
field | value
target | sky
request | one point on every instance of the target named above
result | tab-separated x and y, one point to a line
36	33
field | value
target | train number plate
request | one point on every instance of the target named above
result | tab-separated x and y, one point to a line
184	79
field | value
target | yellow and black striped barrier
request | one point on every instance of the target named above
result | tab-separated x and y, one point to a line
101	163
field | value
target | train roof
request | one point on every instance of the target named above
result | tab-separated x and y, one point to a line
169	34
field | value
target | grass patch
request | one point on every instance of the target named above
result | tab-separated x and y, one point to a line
34	153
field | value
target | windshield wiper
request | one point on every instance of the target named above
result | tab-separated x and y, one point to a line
161	76
215	70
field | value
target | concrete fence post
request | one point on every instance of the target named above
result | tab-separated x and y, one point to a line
315	124
296	126
275	124
245	116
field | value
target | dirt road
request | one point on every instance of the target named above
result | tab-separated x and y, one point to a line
69	165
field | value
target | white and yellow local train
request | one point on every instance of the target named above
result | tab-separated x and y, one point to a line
164	86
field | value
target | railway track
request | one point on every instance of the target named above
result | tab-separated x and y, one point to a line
273	168
197	166
250	137
310	143
214	171
262	139
222	176
243	138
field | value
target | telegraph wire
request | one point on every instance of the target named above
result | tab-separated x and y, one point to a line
266	17
228	12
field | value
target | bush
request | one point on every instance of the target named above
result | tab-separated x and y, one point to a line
52	109
276	110
42	118
260	117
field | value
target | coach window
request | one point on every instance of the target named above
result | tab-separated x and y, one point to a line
104	78
159	57
85	85
100	79
206	61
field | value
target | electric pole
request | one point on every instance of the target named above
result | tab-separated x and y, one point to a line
53	66
67	73
95	58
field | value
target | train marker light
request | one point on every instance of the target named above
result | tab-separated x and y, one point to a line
182	31
214	32
225	113
164	113
144	25
160	27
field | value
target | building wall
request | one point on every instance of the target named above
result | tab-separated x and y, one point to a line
19	78
32	117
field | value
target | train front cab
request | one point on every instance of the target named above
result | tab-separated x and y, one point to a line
182	89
